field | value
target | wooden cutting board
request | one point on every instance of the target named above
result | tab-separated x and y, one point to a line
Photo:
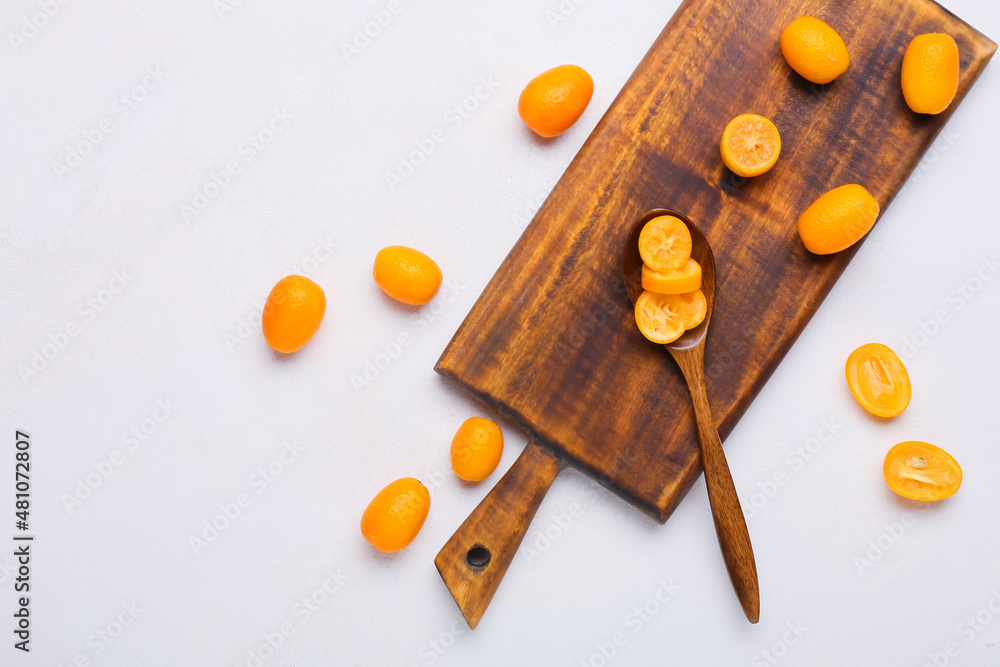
552	342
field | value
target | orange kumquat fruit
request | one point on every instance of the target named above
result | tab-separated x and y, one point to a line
930	73
406	274
665	243
695	308
750	145
814	50
660	317
838	219
555	99
396	514
921	471
292	313
683	280
476	449
878	380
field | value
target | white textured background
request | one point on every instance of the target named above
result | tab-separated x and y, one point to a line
184	329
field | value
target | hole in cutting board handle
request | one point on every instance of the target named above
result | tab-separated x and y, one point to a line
478	557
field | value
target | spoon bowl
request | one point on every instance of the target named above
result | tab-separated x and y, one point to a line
689	353
701	252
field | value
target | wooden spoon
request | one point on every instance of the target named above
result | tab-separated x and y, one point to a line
689	353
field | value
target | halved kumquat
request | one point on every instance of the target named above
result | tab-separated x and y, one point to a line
750	145
878	380
921	471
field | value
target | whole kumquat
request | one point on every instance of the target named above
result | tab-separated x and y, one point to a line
476	449
555	99
292	313
396	514
814	50
837	219
930	73
406	274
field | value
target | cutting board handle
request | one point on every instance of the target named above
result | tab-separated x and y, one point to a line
473	562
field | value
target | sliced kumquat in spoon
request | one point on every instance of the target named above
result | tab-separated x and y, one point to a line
665	243
695	308
660	317
683	280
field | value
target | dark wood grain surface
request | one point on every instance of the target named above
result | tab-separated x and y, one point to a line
551	341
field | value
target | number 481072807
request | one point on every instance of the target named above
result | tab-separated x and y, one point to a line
22	480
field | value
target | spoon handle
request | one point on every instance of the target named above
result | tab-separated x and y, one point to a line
730	525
